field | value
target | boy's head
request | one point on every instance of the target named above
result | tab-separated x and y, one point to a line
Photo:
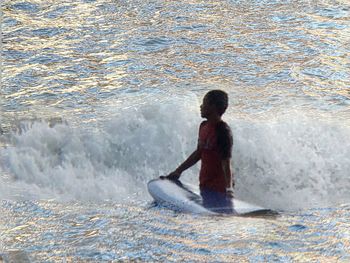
215	101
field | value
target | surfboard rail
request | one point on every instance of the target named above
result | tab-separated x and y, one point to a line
177	196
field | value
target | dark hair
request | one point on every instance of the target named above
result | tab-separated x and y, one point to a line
223	132
224	139
219	98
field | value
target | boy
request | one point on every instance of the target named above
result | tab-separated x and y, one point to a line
214	150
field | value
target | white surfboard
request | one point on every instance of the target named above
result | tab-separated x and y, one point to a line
177	196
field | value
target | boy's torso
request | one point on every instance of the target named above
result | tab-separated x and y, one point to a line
211	173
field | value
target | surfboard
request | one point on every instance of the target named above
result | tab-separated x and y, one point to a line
177	196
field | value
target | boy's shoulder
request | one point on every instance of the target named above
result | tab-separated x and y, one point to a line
221	127
224	128
224	125
202	124
221	123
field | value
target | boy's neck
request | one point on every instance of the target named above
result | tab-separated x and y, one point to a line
214	119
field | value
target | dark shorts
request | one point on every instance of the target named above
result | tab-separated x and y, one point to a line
216	201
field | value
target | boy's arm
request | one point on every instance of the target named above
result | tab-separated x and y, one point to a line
226	166
190	161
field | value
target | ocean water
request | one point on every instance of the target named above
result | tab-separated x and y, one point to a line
100	96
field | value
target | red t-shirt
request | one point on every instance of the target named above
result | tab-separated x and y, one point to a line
211	175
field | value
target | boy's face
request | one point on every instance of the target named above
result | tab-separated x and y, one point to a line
207	109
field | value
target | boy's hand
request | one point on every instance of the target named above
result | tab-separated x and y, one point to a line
172	176
229	193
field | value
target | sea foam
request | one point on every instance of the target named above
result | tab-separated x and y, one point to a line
113	161
285	161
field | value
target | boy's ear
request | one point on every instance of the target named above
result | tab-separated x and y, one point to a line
215	108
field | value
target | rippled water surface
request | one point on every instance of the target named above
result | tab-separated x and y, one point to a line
267	53
53	232
98	97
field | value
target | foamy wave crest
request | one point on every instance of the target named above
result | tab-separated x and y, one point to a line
112	162
292	161
287	161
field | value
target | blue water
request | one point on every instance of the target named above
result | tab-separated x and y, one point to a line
99	97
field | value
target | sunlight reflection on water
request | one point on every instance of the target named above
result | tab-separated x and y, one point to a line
91	52
117	232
